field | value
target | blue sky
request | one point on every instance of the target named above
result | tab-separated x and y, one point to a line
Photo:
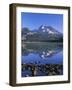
35	20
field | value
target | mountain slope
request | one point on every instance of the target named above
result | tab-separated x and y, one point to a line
44	33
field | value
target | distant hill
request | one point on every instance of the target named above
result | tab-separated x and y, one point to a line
43	33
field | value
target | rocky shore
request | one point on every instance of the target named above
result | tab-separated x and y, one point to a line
29	70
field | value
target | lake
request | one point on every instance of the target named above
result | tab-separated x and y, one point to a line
42	59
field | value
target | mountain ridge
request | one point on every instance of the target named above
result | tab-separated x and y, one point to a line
43	33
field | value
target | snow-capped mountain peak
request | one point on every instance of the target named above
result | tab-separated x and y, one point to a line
43	33
48	29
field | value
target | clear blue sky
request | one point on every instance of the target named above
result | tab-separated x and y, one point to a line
34	20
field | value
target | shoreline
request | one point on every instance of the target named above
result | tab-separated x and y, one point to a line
40	42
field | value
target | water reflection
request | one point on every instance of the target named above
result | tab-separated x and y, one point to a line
42	59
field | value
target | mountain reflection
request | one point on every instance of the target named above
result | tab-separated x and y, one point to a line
42	59
46	49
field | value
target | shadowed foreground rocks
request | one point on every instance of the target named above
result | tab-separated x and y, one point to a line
29	70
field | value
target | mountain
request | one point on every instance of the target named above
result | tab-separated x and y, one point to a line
43	33
48	29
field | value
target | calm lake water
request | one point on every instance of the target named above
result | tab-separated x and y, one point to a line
42	59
